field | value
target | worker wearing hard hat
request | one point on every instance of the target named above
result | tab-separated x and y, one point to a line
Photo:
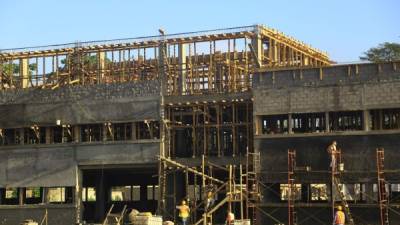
184	211
339	217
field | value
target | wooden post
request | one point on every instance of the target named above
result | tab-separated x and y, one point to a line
24	72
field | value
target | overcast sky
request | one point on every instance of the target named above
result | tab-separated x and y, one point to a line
343	28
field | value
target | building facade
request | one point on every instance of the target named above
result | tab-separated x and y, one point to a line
148	122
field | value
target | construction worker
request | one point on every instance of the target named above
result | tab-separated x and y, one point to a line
333	151
184	211
209	201
230	218
339	217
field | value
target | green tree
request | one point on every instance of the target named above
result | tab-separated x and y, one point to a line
14	68
383	53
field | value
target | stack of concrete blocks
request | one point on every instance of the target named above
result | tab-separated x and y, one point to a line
147	220
242	222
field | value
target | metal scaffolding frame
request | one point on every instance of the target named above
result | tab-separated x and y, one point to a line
383	196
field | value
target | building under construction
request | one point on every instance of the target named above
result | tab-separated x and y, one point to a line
245	114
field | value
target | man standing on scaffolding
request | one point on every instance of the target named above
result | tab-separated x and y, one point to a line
333	152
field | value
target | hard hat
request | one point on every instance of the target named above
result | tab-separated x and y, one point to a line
339	208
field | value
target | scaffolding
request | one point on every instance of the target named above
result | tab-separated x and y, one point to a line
291	194
382	192
337	167
213	61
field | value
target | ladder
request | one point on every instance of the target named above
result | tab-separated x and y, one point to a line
335	172
383	195
114	218
253	167
343	200
208	214
291	194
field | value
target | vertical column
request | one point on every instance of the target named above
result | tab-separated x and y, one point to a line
101	56
290	124
24	72
77	133
258	125
2	194
21	132
257	43
134	136
21	196
78	195
106	126
327	127
100	196
306	60
182	68
366	119
48	135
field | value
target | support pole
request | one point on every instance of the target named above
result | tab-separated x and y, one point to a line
182	69
24	72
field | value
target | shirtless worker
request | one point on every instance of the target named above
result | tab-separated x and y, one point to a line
333	152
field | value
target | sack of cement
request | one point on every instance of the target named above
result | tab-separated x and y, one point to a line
132	214
29	222
147	220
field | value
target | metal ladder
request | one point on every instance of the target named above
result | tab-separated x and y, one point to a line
344	202
383	195
253	167
291	196
114	218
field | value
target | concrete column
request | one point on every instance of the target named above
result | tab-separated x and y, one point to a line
327	127
290	124
78	195
45	198
101	57
24	72
182	68
2	194
48	135
77	133
101	197
380	119
134	135
258	125
366	119
105	131
21	196
21	136
257	43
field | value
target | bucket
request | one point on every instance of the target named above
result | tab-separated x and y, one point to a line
341	166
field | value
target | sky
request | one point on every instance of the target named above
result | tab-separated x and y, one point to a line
343	28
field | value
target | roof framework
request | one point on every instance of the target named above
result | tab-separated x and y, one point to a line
219	60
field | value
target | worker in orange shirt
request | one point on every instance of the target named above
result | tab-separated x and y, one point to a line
184	211
339	217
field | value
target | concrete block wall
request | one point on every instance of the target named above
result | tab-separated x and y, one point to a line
131	101
291	91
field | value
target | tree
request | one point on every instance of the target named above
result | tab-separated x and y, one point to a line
383	53
14	68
